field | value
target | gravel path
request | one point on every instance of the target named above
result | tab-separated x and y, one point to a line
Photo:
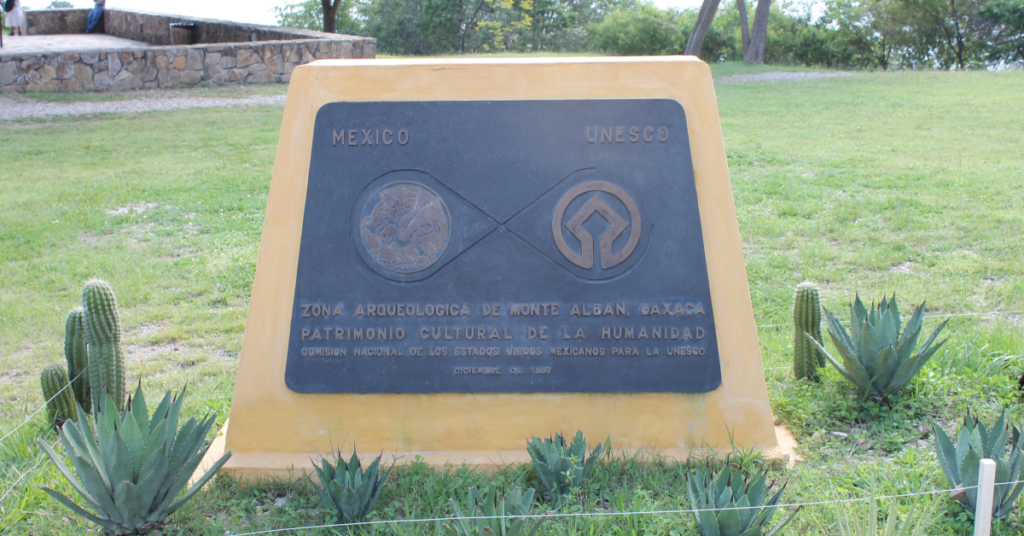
16	107
780	76
12	109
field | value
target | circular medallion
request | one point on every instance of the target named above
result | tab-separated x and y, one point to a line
405	227
617	225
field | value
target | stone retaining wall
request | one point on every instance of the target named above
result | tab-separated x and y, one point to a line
154	28
225	61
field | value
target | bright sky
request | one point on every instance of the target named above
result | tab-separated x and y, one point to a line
251	11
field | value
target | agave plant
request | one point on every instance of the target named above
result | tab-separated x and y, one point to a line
877	358
858	521
730	503
960	462
487	514
130	467
562	467
347	489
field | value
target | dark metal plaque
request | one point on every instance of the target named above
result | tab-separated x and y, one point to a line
502	246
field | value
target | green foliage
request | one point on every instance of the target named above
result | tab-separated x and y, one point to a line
485	514
960	462
103	333
807	359
855	520
643	30
310	16
60	403
60	4
730	502
347	489
877	358
76	353
130	468
902	34
562	467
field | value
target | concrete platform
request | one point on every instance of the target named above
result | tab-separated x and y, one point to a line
22	45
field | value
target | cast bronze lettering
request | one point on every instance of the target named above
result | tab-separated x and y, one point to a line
585	259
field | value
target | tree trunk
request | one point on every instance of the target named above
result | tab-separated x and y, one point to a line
330	15
741	6
700	29
759	35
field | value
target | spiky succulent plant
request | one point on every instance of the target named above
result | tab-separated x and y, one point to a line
731	503
961	462
103	334
347	489
60	402
130	467
485	515
877	358
807	359
76	354
560	466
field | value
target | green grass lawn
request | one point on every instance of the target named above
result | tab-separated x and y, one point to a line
906	183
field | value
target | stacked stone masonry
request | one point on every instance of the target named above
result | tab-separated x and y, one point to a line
173	66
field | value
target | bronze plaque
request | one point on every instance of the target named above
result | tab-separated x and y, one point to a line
502	246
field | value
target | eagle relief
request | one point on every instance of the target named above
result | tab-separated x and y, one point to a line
405	227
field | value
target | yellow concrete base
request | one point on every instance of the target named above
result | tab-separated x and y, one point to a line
250	468
274	429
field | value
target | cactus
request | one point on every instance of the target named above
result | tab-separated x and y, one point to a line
103	334
807	359
60	402
76	353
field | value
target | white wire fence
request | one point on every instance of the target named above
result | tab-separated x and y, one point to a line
986	488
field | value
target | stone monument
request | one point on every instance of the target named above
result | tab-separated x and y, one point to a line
461	254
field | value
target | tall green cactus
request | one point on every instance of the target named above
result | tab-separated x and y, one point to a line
60	402
103	333
76	353
807	359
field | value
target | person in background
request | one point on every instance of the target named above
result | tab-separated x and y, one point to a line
95	16
16	19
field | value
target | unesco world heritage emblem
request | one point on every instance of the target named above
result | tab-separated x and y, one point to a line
596	204
405	227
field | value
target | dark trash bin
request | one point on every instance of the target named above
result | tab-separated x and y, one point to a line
183	33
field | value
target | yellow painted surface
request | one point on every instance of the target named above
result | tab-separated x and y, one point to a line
275	431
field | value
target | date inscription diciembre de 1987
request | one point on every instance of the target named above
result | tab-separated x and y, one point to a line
502	246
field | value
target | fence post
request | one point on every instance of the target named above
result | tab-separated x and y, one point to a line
986	487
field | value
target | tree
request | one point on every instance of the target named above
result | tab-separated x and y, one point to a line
330	15
754	51
309	15
60	4
741	8
705	17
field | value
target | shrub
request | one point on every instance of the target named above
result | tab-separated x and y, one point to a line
643	30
